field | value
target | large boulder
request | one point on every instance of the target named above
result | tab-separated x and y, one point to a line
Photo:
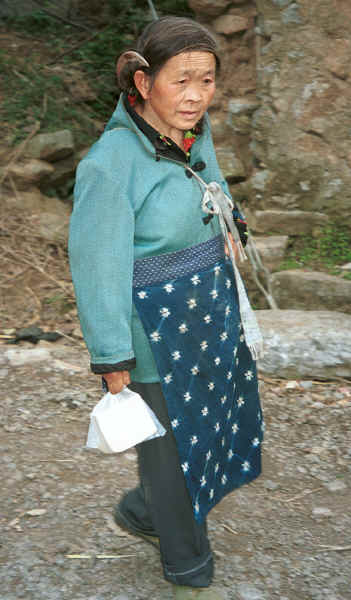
288	222
299	344
51	146
29	172
230	164
311	290
208	7
34	202
64	170
229	24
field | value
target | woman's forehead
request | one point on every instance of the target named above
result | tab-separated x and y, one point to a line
193	61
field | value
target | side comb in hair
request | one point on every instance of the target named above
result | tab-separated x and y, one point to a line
130	55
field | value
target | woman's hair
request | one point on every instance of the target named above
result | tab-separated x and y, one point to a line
163	39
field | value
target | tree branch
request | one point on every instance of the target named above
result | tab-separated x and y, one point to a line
59	18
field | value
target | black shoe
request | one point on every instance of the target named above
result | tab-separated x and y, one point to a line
123	523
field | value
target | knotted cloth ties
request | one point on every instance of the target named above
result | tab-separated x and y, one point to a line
216	202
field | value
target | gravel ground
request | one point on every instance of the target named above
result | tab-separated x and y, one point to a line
286	536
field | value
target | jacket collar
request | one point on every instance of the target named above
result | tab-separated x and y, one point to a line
125	116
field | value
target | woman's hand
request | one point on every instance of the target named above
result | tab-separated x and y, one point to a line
234	246
116	381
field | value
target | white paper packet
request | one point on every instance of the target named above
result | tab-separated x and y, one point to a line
120	421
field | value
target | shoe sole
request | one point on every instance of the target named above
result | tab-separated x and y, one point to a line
124	524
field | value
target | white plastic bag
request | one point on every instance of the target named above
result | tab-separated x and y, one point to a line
120	421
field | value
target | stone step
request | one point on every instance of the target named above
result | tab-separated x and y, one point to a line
305	344
287	222
311	290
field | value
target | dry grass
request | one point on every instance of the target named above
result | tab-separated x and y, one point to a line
35	283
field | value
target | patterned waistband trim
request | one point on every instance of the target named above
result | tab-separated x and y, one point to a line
173	265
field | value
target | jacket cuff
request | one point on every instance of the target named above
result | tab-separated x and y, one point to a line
124	365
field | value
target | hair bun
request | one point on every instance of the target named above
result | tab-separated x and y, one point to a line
129	62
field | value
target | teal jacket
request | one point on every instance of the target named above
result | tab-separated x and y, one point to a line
127	205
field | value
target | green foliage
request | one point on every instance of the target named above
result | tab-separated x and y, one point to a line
35	23
332	248
27	81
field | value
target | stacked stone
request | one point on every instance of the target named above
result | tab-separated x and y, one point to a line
281	125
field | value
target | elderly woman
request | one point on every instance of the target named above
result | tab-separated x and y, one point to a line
161	304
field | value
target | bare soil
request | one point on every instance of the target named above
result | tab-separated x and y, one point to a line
286	536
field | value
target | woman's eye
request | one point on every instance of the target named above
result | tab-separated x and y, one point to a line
208	81
182	81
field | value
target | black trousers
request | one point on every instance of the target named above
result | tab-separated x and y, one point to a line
161	504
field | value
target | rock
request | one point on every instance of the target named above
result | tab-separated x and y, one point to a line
239	114
220	130
53	228
64	170
338	61
281	3
292	222
260	180
246	591
51	146
302	345
311	290
238	106
35	202
19	357
336	486
229	24
272	248
346	267
77	333
230	165
270	485
291	15
306	385
321	512
240	124
208	7
29	172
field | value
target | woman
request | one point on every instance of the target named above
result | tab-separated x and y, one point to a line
162	308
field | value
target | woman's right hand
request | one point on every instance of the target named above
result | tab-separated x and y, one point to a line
116	381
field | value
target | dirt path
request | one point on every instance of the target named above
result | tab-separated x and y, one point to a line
287	536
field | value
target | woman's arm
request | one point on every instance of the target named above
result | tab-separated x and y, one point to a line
101	259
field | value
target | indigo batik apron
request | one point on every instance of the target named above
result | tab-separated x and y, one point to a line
188	304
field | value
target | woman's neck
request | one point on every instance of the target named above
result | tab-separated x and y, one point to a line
150	117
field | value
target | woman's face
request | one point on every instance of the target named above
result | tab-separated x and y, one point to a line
181	92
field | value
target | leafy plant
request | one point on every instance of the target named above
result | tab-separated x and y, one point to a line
329	250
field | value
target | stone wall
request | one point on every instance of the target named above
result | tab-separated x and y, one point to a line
282	125
285	89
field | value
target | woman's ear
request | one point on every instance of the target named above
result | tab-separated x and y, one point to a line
142	84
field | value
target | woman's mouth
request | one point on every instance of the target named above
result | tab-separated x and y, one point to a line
187	114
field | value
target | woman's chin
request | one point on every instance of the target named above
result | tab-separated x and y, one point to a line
188	122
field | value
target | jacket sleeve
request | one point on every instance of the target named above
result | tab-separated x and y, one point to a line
101	259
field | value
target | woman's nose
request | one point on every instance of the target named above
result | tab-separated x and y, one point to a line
194	93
